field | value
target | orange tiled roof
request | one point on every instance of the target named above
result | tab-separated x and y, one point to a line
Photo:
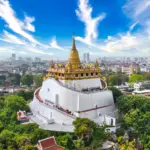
49	144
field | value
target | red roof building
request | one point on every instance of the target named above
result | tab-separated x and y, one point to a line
48	144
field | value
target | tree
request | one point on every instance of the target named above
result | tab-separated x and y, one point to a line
28	147
15	79
27	95
141	123
66	141
116	92
38	134
97	138
146	76
7	139
15	103
126	103
79	144
38	79
117	79
136	78
89	132
120	132
83	127
2	79
136	110
22	141
27	79
128	146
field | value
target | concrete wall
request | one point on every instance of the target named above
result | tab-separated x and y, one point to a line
77	101
85	83
49	113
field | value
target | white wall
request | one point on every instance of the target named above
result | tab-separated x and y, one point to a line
68	99
85	83
45	111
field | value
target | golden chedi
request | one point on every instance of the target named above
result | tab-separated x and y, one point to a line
74	59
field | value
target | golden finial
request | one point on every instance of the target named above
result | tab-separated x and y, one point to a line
52	64
73	42
69	66
96	64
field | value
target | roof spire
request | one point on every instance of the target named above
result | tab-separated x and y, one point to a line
73	42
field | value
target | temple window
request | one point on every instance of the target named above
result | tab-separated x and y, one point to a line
59	74
96	73
76	75
91	74
81	74
63	75
87	74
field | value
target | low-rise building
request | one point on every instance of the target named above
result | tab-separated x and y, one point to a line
130	69
48	144
142	85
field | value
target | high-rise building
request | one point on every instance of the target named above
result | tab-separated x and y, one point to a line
13	57
37	59
29	59
86	57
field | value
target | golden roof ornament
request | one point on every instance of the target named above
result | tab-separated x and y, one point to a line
96	64
52	64
69	66
74	56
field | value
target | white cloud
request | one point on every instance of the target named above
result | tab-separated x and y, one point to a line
54	44
138	10
3	49
36	50
15	24
7	37
28	26
26	49
84	13
6	49
133	26
142	6
121	43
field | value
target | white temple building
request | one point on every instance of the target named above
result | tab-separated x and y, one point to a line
70	91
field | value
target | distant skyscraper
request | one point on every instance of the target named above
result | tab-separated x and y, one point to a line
13	57
20	58
29	59
86	57
37	59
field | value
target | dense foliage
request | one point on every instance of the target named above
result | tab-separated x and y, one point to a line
135	112
117	79
27	79
13	79
38	79
16	136
136	78
27	95
89	133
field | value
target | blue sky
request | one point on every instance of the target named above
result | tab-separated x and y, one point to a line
102	27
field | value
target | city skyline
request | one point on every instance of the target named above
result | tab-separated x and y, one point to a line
44	29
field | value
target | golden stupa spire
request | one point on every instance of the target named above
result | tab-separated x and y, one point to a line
74	56
96	64
73	43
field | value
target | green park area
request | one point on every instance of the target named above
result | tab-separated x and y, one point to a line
134	118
